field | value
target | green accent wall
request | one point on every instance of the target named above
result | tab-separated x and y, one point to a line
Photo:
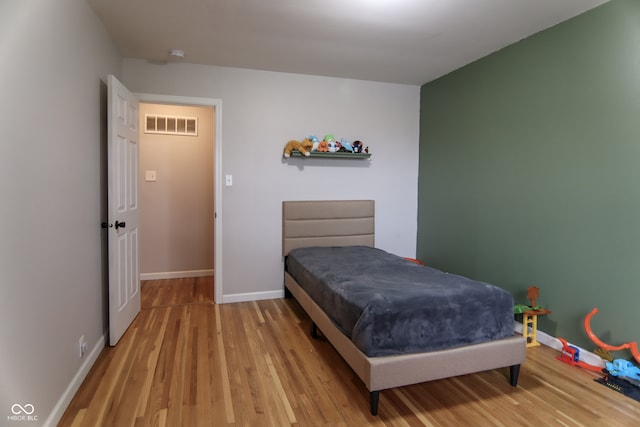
530	172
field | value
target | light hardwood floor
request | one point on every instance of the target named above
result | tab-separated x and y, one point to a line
188	362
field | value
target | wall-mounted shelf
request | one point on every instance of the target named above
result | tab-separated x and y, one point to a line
326	155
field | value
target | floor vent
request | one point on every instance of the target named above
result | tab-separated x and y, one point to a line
170	125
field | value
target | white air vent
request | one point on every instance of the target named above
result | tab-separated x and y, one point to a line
171	125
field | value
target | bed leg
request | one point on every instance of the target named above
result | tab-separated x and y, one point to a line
287	293
514	372
374	397
314	330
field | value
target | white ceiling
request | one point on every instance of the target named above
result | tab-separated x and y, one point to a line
400	41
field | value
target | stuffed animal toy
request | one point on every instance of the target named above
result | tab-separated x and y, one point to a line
331	143
316	142
346	145
303	147
357	147
323	147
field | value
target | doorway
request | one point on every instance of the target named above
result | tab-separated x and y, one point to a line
180	197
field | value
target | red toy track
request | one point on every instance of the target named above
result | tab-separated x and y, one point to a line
630	345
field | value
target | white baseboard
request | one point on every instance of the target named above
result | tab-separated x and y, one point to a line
252	296
175	274
91	357
586	356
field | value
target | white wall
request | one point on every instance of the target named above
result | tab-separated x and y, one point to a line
176	210
54	55
261	111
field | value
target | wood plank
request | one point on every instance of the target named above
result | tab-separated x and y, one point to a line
187	361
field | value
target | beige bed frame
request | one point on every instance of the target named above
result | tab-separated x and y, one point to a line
351	222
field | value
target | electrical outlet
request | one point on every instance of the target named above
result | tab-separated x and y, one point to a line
82	346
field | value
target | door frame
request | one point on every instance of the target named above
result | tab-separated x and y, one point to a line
217	172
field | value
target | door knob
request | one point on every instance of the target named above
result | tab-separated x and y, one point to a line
120	224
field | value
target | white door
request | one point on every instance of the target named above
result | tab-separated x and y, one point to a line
124	215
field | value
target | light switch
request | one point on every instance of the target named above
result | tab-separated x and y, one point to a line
149	175
228	180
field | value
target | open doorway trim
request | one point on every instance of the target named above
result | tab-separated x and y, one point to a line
217	154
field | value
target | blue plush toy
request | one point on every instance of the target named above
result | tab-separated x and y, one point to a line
315	142
346	145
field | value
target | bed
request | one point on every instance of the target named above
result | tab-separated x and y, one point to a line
320	229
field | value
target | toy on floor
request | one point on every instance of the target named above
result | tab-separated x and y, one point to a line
632	346
532	295
620	375
571	356
530	315
623	368
603	354
620	385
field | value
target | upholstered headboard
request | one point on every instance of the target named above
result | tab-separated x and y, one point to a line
327	223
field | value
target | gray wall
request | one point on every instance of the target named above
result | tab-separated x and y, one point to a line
55	57
261	111
529	172
176	210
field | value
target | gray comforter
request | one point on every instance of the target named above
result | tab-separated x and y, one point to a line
388	305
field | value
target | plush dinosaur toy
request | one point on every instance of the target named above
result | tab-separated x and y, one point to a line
303	147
